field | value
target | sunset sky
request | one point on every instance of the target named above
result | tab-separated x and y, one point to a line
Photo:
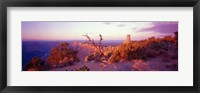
56	31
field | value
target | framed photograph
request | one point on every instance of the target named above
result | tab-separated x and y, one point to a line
99	46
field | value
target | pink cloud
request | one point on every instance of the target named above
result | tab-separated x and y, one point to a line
160	27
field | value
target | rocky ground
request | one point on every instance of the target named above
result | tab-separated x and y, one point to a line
135	65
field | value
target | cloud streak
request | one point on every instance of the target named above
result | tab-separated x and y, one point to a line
160	27
121	25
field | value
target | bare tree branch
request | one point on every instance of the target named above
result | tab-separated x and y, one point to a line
87	37
100	39
97	46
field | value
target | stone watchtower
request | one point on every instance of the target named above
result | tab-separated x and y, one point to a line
128	39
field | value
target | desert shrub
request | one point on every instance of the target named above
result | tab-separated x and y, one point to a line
91	57
169	38
83	68
174	56
163	53
32	69
62	55
36	64
136	53
115	57
149	48
159	45
55	56
151	40
176	39
127	52
152	53
66	62
165	59
94	56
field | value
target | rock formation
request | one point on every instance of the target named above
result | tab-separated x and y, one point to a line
128	39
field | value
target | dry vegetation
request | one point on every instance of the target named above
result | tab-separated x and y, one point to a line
36	64
166	49
142	50
61	56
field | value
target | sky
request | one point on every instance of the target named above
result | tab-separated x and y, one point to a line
59	31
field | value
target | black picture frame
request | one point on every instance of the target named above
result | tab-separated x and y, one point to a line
98	3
